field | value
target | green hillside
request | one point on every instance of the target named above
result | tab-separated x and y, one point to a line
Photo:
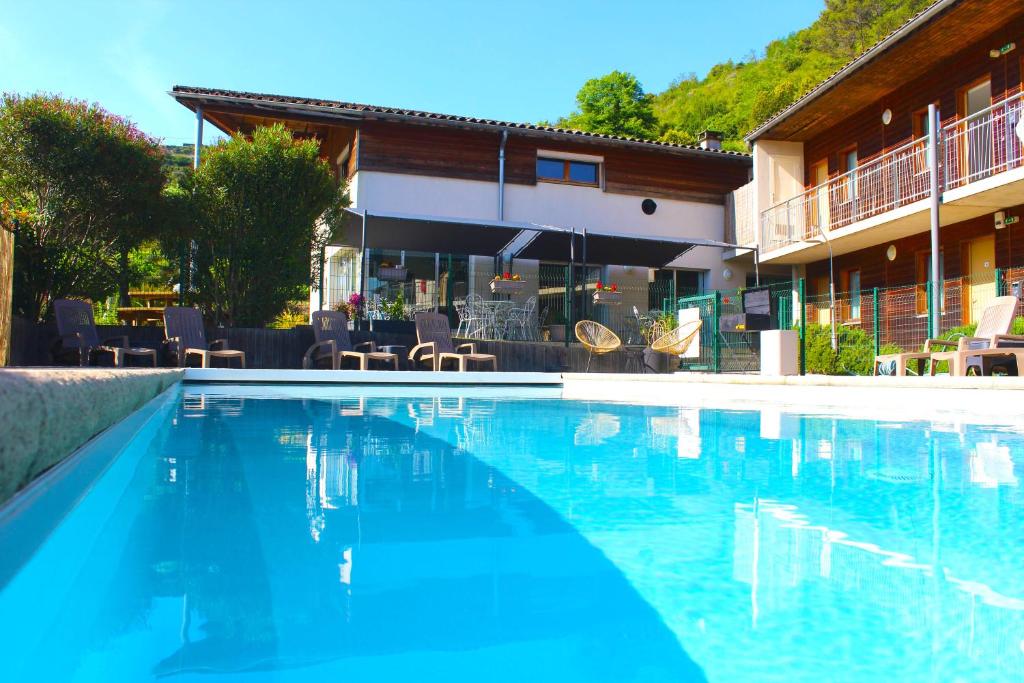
735	96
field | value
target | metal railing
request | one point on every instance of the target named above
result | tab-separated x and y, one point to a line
970	149
895	179
983	144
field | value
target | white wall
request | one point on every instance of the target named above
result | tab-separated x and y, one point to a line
778	172
553	204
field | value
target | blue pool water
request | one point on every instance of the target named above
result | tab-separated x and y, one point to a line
302	534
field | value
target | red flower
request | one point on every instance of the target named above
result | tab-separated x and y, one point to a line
507	276
615	287
600	285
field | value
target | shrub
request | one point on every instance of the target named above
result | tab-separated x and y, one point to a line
855	355
79	187
262	204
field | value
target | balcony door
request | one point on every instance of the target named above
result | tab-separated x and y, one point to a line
979	259
818	214
976	142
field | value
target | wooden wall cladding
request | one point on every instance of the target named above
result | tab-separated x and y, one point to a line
878	271
942	85
473	155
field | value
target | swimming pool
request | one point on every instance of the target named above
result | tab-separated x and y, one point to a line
499	534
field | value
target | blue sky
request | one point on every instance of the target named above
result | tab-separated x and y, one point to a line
517	61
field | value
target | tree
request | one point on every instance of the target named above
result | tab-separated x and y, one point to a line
261	206
79	187
614	104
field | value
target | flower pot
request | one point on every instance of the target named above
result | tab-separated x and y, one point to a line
606	297
393	326
393	273
506	286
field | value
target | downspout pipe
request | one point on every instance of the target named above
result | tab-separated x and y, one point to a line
501	175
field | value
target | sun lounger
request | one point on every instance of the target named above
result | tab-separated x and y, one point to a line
435	346
333	344
79	338
186	337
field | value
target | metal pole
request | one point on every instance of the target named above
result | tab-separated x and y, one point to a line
584	308
831	290
501	176
802	289
320	289
363	266
875	322
934	301
570	285
437	282
197	152
757	272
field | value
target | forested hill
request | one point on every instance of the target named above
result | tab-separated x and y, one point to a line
736	96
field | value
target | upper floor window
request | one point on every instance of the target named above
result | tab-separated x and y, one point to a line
568	171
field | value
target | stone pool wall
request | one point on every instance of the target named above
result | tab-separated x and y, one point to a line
46	413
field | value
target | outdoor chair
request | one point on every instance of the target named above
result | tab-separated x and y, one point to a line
80	341
186	336
333	344
677	341
435	346
597	339
996	322
991	341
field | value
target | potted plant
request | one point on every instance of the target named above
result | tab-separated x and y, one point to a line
607	294
507	283
394	321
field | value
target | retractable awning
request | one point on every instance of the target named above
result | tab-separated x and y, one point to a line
380	230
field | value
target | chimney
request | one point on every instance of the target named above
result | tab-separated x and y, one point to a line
710	139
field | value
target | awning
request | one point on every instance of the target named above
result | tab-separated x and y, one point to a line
432	233
519	240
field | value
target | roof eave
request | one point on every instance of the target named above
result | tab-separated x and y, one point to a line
835	79
189	99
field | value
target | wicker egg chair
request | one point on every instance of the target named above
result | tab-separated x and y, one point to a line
678	340
596	339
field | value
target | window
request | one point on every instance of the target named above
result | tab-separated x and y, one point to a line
924	276
568	171
851	283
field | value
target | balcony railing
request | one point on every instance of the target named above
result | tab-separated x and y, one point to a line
895	179
971	149
983	144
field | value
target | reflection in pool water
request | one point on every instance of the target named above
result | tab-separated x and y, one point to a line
452	538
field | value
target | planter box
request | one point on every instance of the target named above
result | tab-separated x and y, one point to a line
393	273
606	297
506	286
393	326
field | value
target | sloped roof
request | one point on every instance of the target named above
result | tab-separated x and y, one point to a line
908	27
186	94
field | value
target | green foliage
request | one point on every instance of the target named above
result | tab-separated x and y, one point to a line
254	218
394	309
855	356
614	104
78	188
734	97
969	329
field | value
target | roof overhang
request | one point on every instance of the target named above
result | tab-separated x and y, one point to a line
920	45
343	113
451	235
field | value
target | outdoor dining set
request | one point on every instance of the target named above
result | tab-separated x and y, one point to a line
481	318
